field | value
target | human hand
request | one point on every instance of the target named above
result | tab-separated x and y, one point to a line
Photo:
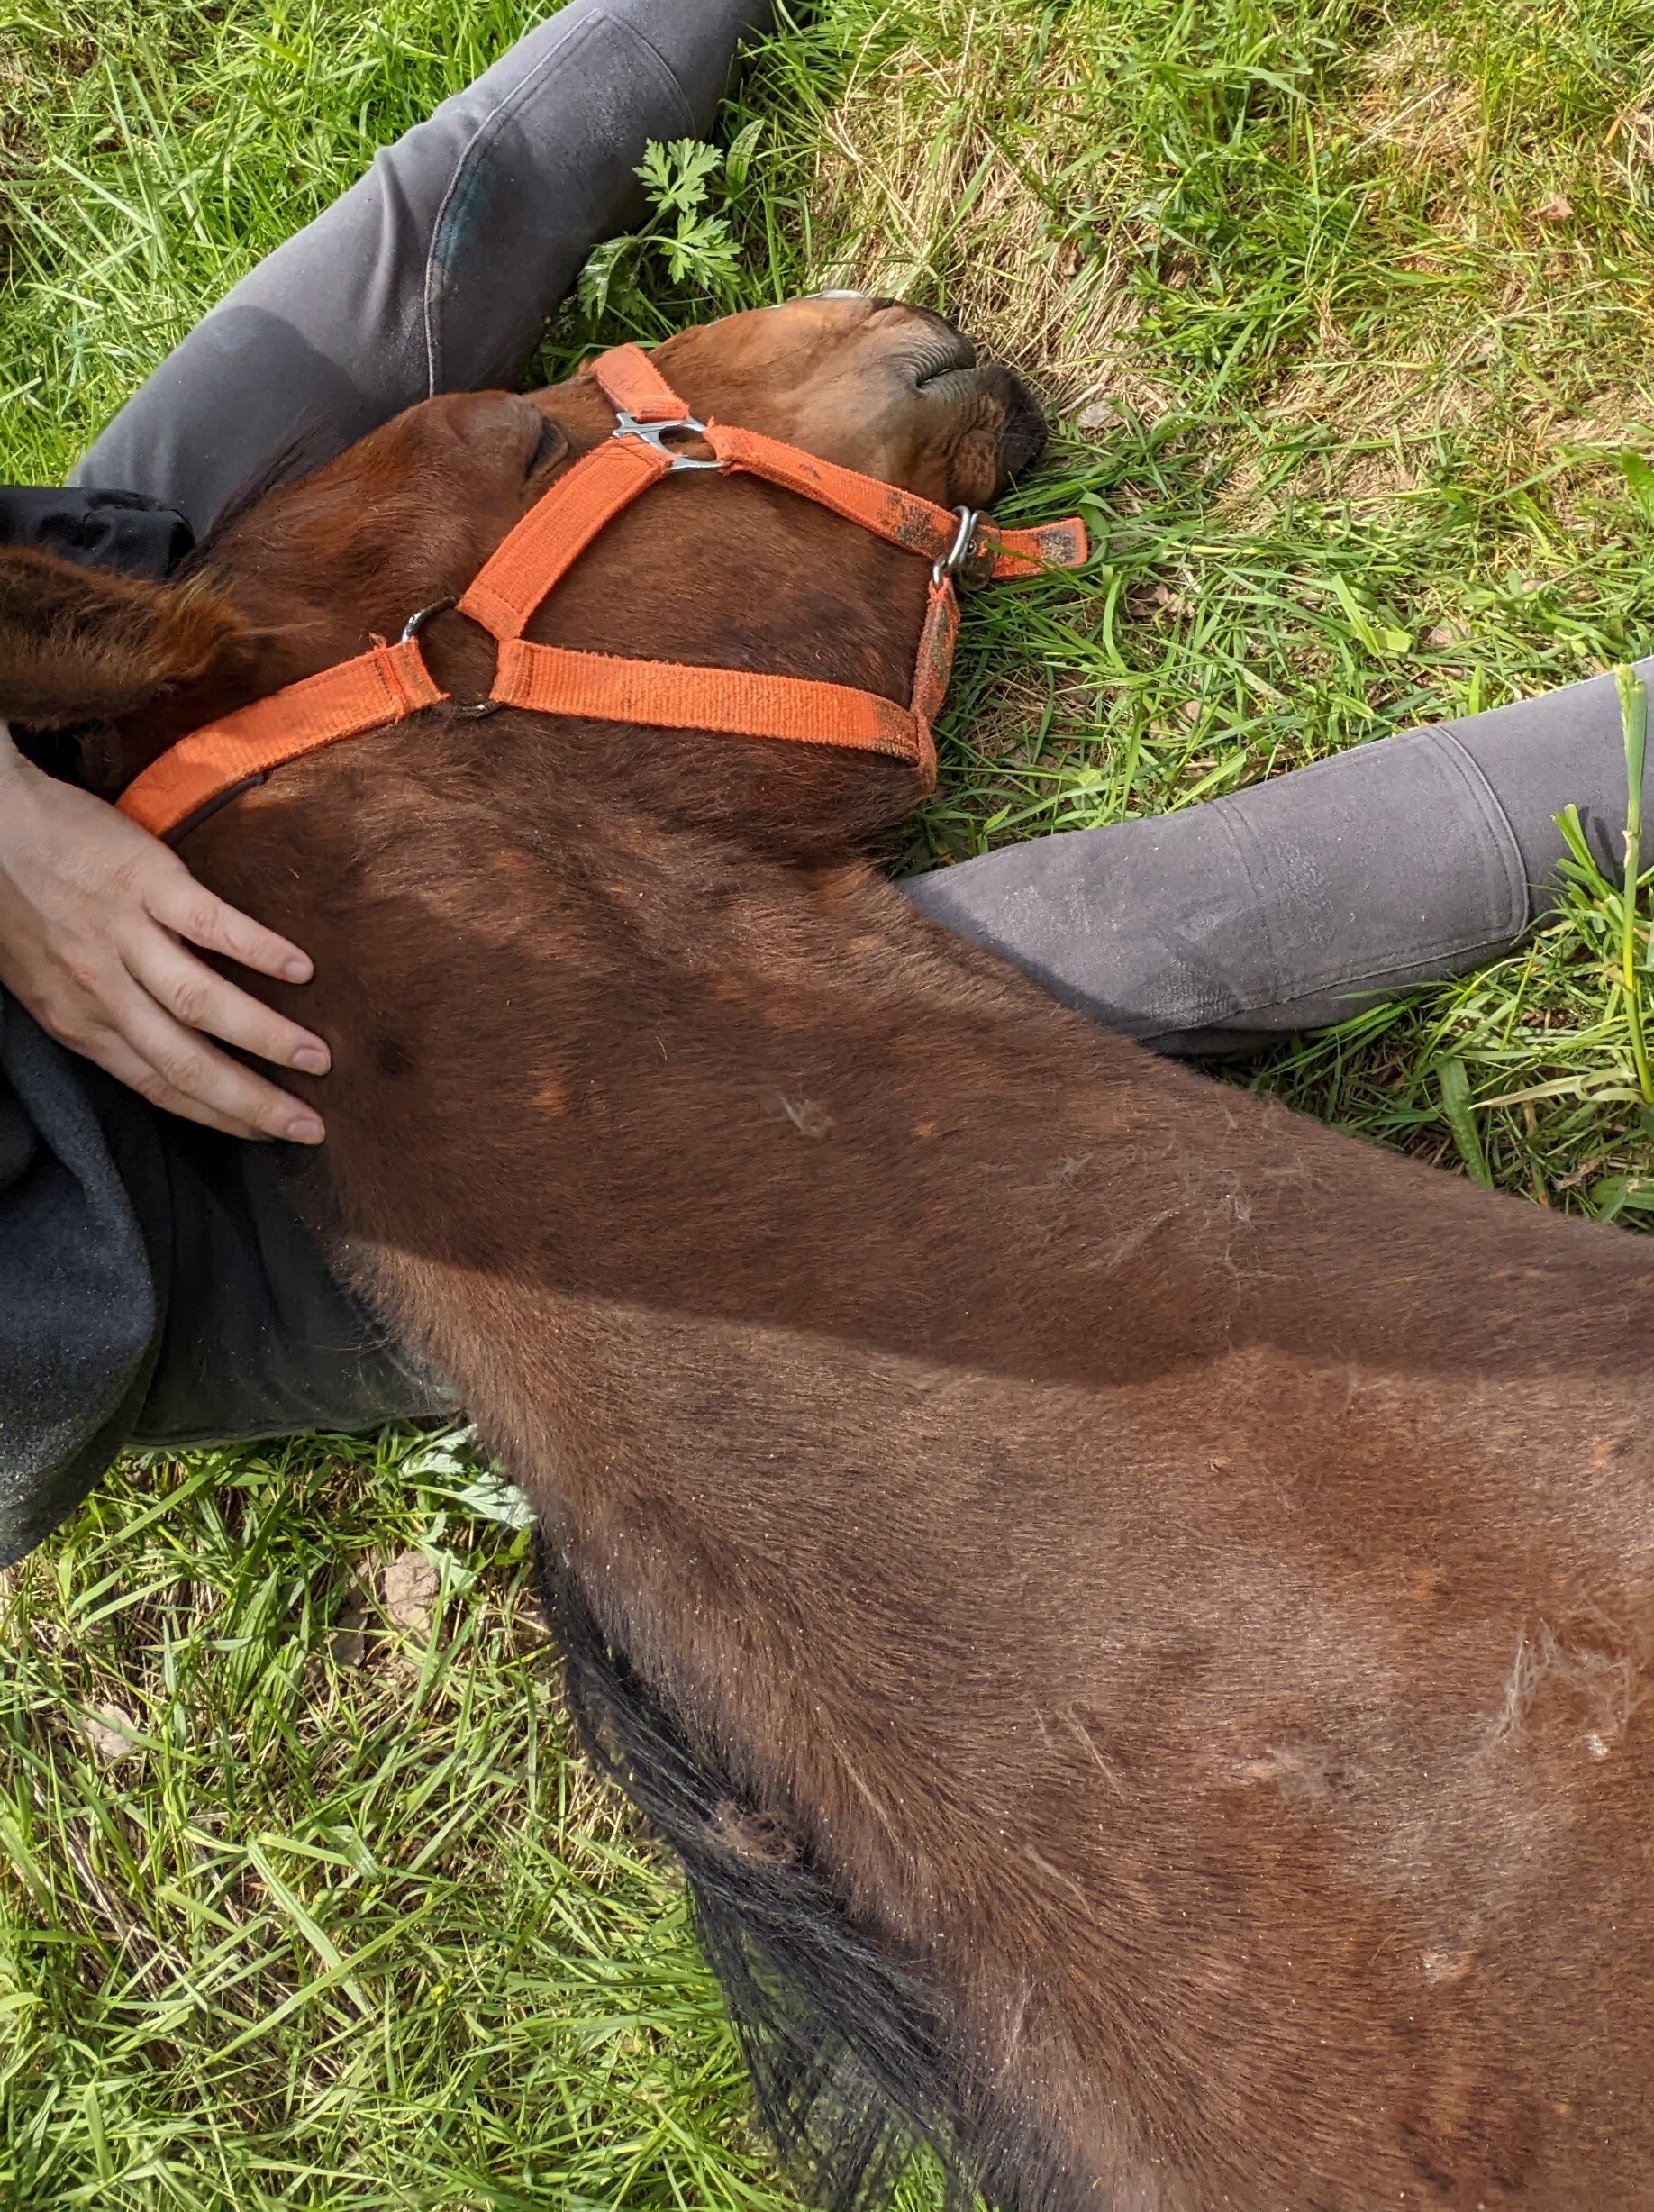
97	920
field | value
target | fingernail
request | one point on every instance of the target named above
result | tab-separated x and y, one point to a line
298	970
305	1129
313	1059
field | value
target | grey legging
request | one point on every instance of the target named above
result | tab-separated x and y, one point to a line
1203	932
1295	903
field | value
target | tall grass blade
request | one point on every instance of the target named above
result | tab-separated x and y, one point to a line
1454	1081
1634	726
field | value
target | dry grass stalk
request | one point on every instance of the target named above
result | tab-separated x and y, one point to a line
942	197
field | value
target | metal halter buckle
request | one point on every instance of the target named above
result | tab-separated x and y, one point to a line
411	630
655	434
962	560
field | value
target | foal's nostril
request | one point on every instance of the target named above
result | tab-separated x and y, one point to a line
933	368
1023	429
1026	429
942	352
930	345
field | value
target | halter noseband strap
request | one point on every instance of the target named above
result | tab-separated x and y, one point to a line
390	682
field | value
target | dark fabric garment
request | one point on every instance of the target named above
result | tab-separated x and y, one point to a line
80	1304
261	1338
103	529
157	1286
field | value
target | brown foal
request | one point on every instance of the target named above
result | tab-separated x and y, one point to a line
1135	1608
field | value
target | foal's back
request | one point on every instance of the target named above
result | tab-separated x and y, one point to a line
1181	1576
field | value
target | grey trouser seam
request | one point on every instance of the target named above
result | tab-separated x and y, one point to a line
1500	827
1371	983
470	158
666	69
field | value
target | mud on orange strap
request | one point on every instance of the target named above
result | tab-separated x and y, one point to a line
917	525
213	763
934	664
1025	553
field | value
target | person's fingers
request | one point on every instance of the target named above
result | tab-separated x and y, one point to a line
203	1000
116	1058
187	1064
84	1028
181	904
96	923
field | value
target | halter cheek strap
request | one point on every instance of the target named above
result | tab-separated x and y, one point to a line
390	682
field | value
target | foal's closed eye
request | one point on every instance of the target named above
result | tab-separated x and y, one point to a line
550	446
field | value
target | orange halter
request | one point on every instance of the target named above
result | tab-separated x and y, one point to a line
390	682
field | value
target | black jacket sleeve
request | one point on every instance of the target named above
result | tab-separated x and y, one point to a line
104	530
80	1306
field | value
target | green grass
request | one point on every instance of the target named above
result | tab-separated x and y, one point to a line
1346	312
304	1904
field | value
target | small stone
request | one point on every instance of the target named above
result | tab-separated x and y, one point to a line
408	1590
1099	415
113	1733
1557	208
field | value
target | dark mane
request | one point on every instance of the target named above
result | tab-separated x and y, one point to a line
858	2070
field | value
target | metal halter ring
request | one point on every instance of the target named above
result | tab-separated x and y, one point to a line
411	630
655	434
958	560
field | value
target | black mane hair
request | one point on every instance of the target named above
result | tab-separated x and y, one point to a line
857	2068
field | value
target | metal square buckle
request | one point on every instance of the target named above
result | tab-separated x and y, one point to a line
655	434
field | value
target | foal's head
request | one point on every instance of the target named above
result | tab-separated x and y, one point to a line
889	389
709	569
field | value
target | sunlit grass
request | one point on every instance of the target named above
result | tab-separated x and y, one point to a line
1345	314
304	1904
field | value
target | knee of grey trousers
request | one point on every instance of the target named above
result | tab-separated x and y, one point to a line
1293	904
435	272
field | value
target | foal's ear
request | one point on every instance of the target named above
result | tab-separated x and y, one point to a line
90	644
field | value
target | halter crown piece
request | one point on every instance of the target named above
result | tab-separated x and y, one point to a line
386	684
